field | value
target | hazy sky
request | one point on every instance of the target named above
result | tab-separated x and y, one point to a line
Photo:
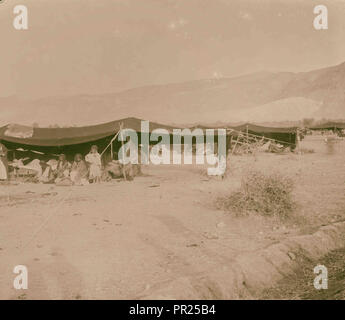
96	46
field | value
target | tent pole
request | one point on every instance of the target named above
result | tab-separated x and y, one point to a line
110	144
247	141
111	150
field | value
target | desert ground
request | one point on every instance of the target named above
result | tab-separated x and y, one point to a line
299	285
137	239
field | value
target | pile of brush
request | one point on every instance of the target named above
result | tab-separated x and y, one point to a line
267	195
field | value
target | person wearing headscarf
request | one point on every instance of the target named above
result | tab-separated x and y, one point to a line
3	163
47	175
93	158
62	170
79	171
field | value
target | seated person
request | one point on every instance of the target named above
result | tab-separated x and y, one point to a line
47	175
62	170
95	164
79	171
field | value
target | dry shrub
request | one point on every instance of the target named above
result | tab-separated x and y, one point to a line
267	195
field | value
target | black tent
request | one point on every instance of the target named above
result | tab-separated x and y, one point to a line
46	142
285	136
329	126
43	143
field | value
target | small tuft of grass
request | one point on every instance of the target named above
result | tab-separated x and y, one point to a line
267	195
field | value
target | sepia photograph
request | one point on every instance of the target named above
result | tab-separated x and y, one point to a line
172	150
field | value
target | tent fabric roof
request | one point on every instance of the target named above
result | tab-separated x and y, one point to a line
72	135
53	137
261	129
329	125
253	128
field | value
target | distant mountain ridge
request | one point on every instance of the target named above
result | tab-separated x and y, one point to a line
257	97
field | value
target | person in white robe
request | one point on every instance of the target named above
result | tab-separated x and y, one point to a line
93	159
3	163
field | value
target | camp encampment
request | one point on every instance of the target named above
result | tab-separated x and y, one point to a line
172	150
45	142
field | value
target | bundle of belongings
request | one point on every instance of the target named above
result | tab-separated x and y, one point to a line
115	169
26	169
275	147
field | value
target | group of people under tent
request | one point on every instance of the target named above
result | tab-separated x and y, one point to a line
81	171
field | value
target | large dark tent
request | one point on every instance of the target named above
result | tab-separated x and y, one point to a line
43	143
47	142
